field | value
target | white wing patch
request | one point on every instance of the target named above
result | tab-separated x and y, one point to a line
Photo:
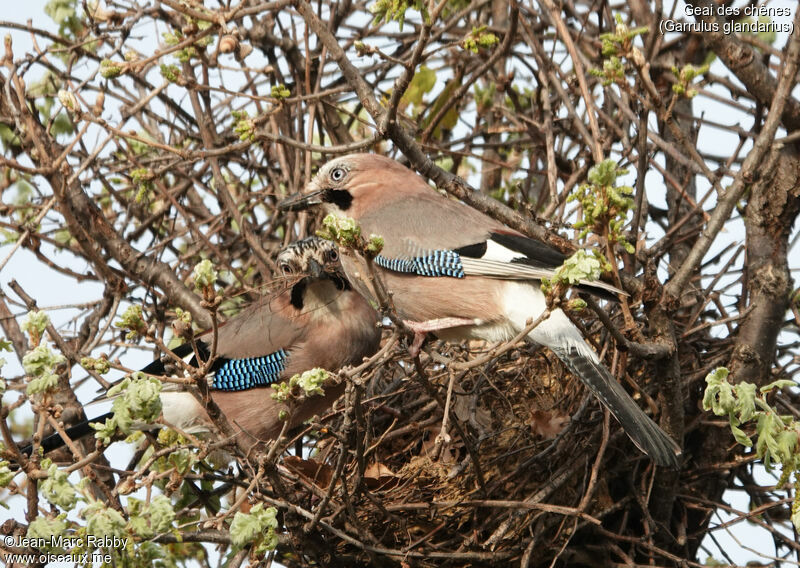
498	262
496	251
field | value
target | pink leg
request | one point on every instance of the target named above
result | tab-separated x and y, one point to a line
421	328
415	346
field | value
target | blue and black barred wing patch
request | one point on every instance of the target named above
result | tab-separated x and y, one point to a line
406	265
426	263
250	372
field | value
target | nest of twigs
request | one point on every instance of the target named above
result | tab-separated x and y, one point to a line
502	479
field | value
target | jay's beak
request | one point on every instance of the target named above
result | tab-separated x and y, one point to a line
301	201
315	269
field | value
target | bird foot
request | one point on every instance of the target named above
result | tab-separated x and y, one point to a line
436	324
416	345
422	328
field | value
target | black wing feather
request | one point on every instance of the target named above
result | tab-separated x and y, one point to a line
536	253
472	251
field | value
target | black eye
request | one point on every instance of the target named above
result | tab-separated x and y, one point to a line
337	174
333	256
286	268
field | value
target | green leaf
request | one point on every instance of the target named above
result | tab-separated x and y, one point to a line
281	391
139	401
580	266
786	446
141	147
182	460
35	323
105	430
374	246
172	38
311	381
778	385
102	521
101	365
422	83
44	383
62	125
57	489
149	519
450	119
745	407
741	437
8	138
45	529
344	231
141	396
40	363
768	427
6	475
204	274
684	77
605	173
577	304
386	10
64	238
132	320
718	396
256	527
479	39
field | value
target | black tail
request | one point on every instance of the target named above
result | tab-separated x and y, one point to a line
645	433
76	432
82	429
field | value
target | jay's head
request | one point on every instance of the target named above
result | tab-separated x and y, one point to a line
310	258
350	185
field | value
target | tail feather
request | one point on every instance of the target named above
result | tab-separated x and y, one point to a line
76	432
645	433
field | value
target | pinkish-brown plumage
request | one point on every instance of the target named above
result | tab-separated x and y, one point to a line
455	271
334	327
318	320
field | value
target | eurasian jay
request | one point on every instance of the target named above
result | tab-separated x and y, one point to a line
318	321
459	273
